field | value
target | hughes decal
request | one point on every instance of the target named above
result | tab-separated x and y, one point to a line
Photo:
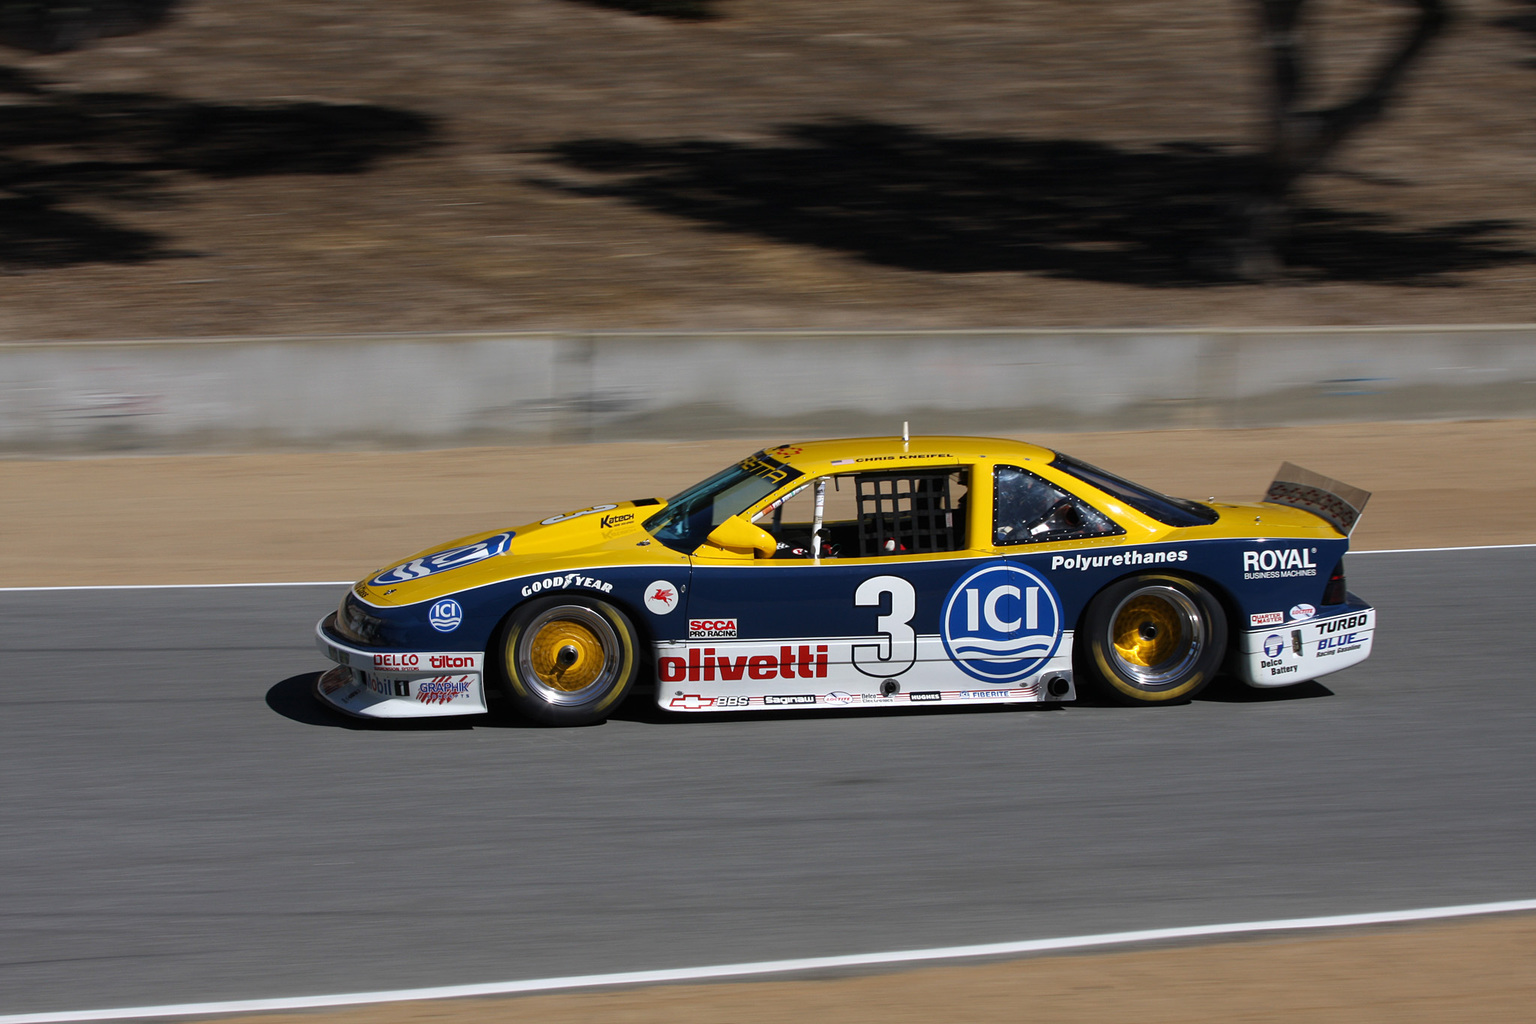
1086	562
1001	622
1279	563
453	558
706	665
569	580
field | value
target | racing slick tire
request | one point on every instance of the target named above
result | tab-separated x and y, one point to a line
566	660
1152	639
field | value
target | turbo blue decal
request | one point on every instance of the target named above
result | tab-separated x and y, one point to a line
442	561
1001	622
446	615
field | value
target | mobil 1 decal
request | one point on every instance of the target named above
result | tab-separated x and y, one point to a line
1001	622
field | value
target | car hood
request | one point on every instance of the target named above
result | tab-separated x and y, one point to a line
495	555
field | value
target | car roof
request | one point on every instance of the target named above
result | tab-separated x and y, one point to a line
847	454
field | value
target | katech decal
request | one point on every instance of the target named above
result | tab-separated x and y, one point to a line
1086	562
1302	612
446	615
1001	622
711	629
660	597
566	582
616	521
552	520
1266	619
1279	563
453	558
706	665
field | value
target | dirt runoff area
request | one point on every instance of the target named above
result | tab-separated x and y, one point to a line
248	518
1479	971
306	517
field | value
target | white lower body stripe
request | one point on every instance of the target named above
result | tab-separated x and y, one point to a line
680	974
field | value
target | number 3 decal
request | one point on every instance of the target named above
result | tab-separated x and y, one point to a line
897	649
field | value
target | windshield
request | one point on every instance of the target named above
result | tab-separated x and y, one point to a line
691	515
1173	511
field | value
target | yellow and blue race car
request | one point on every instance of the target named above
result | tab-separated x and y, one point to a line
859	572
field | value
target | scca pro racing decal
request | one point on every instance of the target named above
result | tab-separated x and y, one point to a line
1001	622
453	558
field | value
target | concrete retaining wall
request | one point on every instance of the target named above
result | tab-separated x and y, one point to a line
453	389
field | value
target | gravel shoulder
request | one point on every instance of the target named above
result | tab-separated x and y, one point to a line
345	167
335	516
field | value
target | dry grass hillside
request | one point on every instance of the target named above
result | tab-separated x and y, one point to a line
295	167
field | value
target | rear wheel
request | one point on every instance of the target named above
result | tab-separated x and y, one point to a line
567	660
1152	639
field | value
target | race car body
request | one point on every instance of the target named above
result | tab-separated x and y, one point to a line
858	572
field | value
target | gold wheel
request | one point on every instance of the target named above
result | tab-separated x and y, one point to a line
1148	631
568	660
1153	639
566	655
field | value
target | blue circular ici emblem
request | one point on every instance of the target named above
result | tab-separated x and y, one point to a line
1001	622
446	615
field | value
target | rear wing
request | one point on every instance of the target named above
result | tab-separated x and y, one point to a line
1330	500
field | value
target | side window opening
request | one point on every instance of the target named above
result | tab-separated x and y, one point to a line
869	514
1027	509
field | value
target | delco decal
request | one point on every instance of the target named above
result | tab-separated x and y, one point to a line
1086	562
417	662
1279	563
711	629
1001	622
706	664
552	520
567	582
442	561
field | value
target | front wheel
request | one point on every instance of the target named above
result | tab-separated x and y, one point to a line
1152	639
567	660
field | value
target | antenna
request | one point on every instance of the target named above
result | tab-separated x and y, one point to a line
904	435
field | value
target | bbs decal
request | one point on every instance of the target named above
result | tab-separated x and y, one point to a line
1001	622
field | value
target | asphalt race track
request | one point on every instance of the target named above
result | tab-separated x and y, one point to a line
179	823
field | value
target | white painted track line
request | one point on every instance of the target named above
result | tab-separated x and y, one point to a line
587	981
1470	547
348	583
